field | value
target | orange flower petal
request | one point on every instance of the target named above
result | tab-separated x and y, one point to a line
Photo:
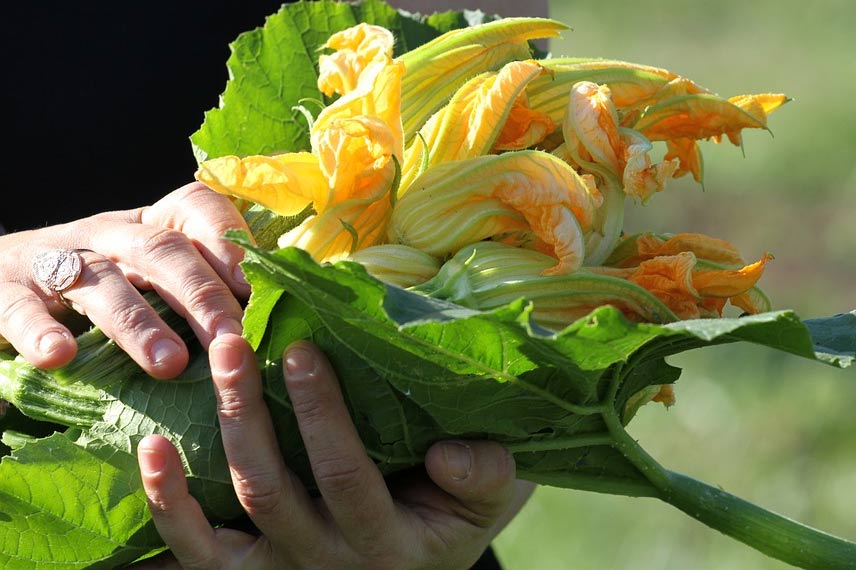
729	282
688	153
524	127
591	122
697	116
519	193
702	246
640	178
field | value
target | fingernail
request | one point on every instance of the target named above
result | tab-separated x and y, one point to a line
51	341
299	362
239	276
459	459
228	326
225	359
151	461
163	350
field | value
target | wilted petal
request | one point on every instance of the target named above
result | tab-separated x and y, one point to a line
729	282
669	278
284	183
702	246
697	116
688	154
591	121
691	292
641	179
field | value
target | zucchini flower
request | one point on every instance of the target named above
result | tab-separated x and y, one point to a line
630	84
356	148
596	141
693	288
528	198
487	113
437	69
486	275
355	48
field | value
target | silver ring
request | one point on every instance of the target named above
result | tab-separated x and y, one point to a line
57	270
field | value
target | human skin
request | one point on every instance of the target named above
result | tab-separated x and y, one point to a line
439	517
174	247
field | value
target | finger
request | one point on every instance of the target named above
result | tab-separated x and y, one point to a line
353	488
167	261
27	325
177	516
270	495
114	305
204	216
478	474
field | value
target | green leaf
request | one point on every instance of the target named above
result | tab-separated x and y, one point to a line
274	66
834	338
63	506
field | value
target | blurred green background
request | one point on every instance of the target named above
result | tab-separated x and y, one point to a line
776	430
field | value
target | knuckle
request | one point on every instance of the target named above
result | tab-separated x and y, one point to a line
163	242
15	311
200	292
259	493
129	318
339	476
232	406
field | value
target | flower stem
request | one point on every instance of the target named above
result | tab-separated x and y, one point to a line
768	532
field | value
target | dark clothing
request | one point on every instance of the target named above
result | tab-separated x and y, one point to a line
101	98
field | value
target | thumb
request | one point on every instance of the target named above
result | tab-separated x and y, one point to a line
480	474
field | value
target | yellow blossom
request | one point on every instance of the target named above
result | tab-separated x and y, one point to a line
356	143
355	47
486	108
527	197
437	69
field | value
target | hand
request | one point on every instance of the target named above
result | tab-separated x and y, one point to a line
442	518
174	247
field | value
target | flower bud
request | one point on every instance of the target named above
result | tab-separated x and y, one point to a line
397	264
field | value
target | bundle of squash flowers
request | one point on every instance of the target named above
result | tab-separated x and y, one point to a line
468	170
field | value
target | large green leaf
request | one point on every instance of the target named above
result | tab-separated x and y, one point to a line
274	67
